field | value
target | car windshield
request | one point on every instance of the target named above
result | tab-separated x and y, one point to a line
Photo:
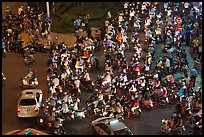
27	102
124	131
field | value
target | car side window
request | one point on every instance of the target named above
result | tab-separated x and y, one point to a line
38	96
104	127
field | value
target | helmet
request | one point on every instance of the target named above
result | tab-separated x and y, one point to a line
164	88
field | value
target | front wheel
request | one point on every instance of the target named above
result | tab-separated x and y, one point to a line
162	129
137	114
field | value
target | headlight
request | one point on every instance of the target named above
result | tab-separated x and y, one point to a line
18	109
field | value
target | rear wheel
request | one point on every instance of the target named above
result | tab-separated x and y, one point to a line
180	131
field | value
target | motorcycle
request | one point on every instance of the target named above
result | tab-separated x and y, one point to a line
28	81
137	113
87	85
29	59
147	103
164	128
3	52
99	81
28	51
119	115
40	47
3	79
173	98
162	101
42	119
79	114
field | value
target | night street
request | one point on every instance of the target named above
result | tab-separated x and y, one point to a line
14	69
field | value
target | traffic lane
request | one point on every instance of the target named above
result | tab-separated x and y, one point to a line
14	69
148	124
150	121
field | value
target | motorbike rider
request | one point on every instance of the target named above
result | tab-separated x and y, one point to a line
87	76
163	94
65	108
147	98
135	106
58	124
31	76
178	122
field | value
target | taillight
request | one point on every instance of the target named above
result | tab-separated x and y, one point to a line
59	88
41	120
36	109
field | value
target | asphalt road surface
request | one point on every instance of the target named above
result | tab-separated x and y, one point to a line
14	69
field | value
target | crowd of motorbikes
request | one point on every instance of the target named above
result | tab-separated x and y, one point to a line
66	79
122	91
28	51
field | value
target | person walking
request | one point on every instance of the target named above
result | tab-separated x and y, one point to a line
194	74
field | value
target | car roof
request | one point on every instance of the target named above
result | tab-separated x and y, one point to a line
114	123
29	93
117	125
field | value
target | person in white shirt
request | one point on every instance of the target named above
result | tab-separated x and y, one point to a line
186	5
125	5
65	108
77	82
108	15
87	76
132	14
107	79
125	40
56	81
167	64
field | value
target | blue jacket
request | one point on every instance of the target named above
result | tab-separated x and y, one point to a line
3	45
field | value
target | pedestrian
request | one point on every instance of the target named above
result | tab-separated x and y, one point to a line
194	74
16	44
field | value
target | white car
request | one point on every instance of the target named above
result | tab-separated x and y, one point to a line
29	103
110	126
